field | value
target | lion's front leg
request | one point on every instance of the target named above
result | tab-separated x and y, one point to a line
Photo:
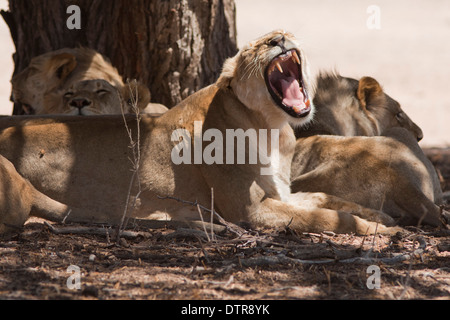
306	217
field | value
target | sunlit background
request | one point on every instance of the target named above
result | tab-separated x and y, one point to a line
409	55
6	63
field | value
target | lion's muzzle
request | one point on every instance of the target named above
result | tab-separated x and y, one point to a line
285	84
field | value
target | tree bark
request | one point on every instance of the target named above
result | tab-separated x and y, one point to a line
176	47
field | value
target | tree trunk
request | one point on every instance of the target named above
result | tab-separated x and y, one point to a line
176	47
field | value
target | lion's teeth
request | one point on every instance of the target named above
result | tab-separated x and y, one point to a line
272	68
279	67
295	56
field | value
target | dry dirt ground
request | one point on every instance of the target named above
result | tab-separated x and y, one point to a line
169	263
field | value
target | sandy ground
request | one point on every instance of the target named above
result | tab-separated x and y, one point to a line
409	54
182	264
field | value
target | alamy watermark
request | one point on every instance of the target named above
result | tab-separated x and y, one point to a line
74	281
374	280
374	20
74	21
239	147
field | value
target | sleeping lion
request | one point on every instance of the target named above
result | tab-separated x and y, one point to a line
261	91
43	86
389	172
88	97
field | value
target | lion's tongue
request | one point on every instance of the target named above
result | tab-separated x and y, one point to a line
292	94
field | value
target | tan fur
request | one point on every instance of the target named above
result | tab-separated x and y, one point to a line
87	164
136	94
348	107
386	173
87	97
42	85
389	173
19	199
155	108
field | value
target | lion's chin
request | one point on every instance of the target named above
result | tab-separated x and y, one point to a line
285	84
302	121
80	112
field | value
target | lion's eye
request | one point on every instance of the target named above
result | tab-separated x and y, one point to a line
273	43
101	91
399	116
68	95
277	41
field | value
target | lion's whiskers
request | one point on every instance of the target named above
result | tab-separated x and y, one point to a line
253	68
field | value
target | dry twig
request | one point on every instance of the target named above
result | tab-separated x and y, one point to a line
100	231
136	160
282	259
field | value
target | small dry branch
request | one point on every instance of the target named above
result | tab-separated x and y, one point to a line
107	232
135	160
282	259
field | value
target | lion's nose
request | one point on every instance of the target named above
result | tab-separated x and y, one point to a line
80	103
420	136
419	133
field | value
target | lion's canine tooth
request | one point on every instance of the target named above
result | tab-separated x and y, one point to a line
297	109
279	67
295	56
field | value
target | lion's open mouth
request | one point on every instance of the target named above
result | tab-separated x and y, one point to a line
285	84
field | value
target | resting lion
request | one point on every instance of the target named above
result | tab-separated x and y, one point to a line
348	107
41	87
87	97
20	200
389	173
261	90
90	97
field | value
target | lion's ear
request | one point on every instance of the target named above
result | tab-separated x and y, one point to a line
62	65
28	110
135	90
368	89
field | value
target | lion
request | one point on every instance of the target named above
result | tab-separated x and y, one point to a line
84	98
390	173
261	91
41	86
20	200
348	107
90	97
136	96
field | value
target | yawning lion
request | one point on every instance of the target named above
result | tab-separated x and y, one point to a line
261	90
